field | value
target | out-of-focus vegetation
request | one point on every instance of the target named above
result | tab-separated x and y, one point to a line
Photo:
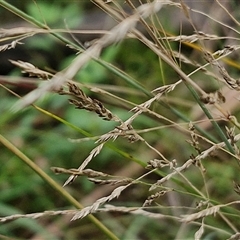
183	125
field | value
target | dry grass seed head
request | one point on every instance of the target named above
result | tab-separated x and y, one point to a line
155	196
124	130
93	208
92	175
92	105
212	98
92	154
37	215
110	181
9	46
31	69
206	212
202	204
85	172
209	57
194	141
156	163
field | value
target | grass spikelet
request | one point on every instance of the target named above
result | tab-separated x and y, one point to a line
85	172
155	196
93	208
31	69
36	215
84	102
199	233
206	212
9	46
110	181
156	163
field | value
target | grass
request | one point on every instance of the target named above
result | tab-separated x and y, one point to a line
130	132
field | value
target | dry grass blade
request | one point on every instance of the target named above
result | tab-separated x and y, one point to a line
16	32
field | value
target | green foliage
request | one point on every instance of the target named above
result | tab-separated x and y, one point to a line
47	12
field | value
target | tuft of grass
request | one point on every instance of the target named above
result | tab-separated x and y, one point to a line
151	133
